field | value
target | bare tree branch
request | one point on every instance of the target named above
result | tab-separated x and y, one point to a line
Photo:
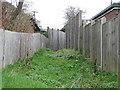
17	11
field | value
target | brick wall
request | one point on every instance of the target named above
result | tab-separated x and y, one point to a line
112	14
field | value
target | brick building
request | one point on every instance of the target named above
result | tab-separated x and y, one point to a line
109	13
22	23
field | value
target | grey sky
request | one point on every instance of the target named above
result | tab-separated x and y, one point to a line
51	12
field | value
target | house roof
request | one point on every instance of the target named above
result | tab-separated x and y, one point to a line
112	6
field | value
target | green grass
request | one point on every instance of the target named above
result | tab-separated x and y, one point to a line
56	69
44	33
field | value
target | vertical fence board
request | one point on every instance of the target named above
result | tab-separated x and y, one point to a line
93	51
12	47
115	44
67	35
104	51
76	31
96	42
50	37
70	28
55	40
36	40
81	39
1	47
63	40
87	41
109	50
24	45
58	39
118	51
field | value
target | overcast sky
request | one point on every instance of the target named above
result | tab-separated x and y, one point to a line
51	12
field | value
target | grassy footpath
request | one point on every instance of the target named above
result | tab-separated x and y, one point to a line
56	69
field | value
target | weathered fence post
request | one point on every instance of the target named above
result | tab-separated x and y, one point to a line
83	44
87	39
50	38
103	20
67	35
70	29
1	47
119	72
1	54
119	52
79	29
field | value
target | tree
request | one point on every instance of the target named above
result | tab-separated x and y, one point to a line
9	15
71	12
13	13
17	11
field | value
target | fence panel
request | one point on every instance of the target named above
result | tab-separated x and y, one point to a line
14	45
114	44
76	31
86	41
1	47
43	41
70	28
36	42
57	40
110	45
60	40
63	40
11	48
96	42
81	39
105	45
24	45
50	37
118	51
67	34
72	35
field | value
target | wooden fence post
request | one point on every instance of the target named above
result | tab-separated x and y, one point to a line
72	39
119	72
79	29
70	29
83	32
1	54
119	52
103	20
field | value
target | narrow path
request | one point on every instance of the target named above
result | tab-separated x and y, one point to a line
56	69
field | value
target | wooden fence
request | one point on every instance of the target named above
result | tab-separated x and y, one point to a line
14	45
98	41
56	39
72	32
